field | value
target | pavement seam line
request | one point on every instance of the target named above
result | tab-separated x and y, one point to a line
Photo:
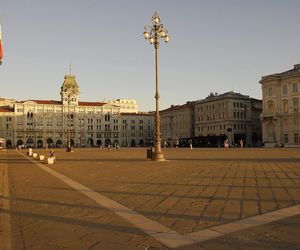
152	228
162	233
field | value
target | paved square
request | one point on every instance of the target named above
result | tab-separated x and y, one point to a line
196	190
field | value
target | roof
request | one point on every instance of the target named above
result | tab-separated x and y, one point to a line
53	102
230	94
137	114
291	72
3	109
70	84
189	105
50	102
91	103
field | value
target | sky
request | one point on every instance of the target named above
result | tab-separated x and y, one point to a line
215	46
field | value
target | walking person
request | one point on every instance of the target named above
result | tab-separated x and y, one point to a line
241	143
226	144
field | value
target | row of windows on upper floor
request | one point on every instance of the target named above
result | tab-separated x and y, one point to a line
40	120
60	110
128	107
285	106
71	117
135	121
237	126
170	126
80	126
212	117
286	138
239	104
134	135
285	89
210	107
175	117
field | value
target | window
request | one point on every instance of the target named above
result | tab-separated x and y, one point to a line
284	89
286	138
295	105
107	117
270	107
295	87
285	106
270	91
296	138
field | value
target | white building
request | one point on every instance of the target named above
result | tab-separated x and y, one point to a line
41	123
281	108
126	106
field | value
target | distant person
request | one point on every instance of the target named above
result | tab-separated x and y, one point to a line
51	154
226	144
191	144
241	143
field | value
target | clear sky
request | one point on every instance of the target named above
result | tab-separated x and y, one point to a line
215	46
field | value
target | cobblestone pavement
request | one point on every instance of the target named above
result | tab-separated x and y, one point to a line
192	191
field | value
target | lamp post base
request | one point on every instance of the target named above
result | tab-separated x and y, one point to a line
69	149
158	156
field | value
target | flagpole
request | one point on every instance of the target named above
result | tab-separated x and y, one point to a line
1	47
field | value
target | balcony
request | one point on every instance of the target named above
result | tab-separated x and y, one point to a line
267	116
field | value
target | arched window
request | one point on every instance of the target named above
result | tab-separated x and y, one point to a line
29	114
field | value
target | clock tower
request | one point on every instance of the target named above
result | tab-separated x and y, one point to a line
69	91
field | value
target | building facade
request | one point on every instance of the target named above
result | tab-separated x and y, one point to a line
281	116
126	106
229	116
177	124
137	129
48	123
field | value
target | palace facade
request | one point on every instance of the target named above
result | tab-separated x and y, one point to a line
280	115
47	123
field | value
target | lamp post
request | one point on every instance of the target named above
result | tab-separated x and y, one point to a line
46	124
71	92
154	33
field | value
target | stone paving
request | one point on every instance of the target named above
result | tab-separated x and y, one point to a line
194	190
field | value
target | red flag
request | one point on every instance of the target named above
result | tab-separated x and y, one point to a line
1	48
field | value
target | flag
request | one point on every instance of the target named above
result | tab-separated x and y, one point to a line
1	48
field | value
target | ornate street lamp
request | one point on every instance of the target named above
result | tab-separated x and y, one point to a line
154	33
70	94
